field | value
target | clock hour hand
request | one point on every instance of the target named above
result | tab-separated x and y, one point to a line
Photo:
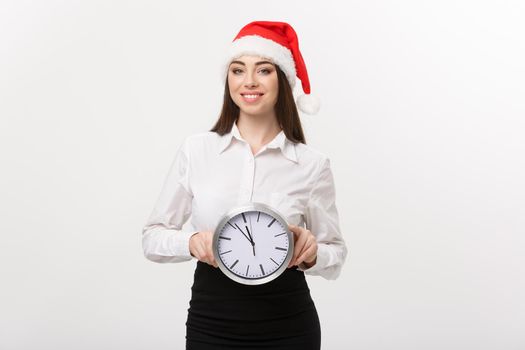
249	234
253	243
244	234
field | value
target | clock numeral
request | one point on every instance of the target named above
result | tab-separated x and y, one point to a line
271	223
247	268
232	225
274	262
258	215
243	217
225	252
235	263
279	248
280	234
227	238
262	269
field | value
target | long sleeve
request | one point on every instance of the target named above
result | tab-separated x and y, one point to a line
322	220
163	241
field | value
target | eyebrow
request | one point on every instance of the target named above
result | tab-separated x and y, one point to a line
256	63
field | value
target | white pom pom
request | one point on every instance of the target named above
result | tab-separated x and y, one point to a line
308	104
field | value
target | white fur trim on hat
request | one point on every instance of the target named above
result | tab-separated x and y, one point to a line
258	46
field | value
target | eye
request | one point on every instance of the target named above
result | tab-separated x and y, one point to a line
265	71
236	70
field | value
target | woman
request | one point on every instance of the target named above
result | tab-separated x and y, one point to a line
256	152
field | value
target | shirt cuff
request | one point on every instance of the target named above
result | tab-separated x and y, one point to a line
167	245
180	243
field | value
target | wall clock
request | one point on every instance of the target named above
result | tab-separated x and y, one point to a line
252	244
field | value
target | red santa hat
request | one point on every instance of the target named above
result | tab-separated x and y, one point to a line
278	42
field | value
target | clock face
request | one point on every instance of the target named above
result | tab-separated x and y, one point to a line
252	244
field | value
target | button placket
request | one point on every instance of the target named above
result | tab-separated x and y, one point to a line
251	169
248	173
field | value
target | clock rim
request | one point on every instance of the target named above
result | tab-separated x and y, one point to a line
253	206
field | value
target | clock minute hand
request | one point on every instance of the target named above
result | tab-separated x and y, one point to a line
244	234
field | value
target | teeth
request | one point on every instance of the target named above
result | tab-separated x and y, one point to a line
251	96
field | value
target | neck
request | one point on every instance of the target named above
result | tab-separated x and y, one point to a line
258	130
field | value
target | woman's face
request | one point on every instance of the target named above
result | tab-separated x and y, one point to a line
253	84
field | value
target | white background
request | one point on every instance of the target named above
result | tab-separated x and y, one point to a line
422	116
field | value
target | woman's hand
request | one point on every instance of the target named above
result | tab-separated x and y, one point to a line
201	247
305	247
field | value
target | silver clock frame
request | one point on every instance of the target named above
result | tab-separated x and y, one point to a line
254	206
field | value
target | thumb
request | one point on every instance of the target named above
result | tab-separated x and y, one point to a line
295	229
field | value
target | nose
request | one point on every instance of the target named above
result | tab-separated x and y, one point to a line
250	80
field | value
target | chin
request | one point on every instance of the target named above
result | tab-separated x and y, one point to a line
256	111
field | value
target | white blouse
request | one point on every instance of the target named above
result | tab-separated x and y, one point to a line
212	174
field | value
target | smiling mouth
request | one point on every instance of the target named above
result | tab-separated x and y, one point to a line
251	97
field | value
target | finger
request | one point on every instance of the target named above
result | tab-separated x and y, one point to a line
212	260
199	254
210	257
300	244
202	254
195	249
292	262
297	250
205	254
306	250
296	230
309	252
297	255
301	236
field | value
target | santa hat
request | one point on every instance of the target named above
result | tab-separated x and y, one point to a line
278	42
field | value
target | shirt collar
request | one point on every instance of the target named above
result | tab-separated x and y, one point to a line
280	141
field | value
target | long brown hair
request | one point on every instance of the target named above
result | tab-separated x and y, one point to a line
285	110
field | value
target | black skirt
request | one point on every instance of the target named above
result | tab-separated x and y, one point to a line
224	314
